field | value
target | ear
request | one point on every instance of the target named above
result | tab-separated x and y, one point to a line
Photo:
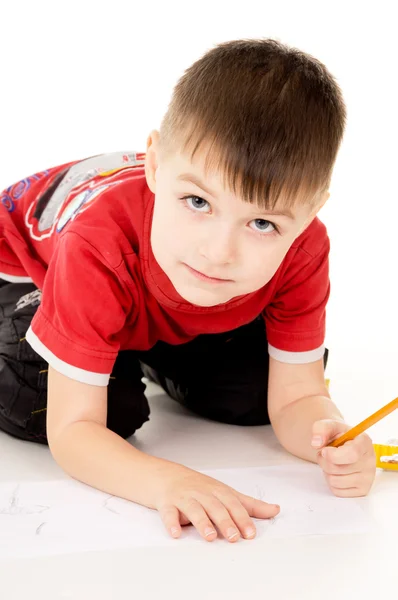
151	159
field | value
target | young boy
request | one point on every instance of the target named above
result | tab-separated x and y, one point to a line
200	264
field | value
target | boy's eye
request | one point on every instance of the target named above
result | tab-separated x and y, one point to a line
262	225
197	203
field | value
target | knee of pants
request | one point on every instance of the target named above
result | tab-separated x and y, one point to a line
23	381
128	407
23	401
234	407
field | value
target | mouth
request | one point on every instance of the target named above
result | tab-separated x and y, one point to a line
204	277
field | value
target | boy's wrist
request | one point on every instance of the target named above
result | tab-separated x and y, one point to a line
294	426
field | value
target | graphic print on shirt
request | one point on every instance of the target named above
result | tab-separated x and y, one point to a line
73	190
15	192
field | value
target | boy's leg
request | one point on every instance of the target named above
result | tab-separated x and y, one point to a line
223	377
23	375
22	371
128	408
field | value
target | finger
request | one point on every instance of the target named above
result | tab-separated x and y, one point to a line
364	445
330	468
196	514
345	482
183	520
348	493
347	454
325	430
221	517
353	450
257	508
239	515
171	519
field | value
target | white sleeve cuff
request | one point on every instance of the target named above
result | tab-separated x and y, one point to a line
62	367
296	358
15	278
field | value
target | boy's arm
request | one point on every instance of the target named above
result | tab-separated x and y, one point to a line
305	420
298	398
83	446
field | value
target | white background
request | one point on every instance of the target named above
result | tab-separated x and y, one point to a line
81	78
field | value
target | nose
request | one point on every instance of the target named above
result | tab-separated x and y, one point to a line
218	247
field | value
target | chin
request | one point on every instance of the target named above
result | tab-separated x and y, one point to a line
202	298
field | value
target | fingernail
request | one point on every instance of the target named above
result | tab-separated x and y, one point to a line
250	532
232	533
209	531
174	532
316	441
324	452
276	506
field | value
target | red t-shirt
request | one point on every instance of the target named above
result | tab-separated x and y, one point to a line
81	233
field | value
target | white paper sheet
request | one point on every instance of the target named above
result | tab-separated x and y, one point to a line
57	517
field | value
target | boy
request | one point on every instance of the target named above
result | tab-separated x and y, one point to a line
200	264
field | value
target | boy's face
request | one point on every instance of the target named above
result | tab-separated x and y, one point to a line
212	245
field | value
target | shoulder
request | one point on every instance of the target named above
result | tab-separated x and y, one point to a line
108	213
307	259
295	317
103	189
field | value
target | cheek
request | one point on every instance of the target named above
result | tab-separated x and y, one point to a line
262	261
168	232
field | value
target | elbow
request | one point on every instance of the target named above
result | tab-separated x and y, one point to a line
283	425
57	447
283	436
60	445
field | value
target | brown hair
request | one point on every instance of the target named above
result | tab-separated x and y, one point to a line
271	119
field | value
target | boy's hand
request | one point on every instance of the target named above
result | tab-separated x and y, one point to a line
186	496
350	469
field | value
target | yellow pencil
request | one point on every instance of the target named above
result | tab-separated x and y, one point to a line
364	425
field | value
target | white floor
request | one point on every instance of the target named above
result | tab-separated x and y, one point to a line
290	568
362	221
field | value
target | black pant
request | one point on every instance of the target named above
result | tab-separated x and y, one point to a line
222	377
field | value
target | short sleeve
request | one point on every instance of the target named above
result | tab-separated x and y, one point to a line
83	310
296	317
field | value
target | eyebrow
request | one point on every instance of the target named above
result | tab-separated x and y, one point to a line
191	178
